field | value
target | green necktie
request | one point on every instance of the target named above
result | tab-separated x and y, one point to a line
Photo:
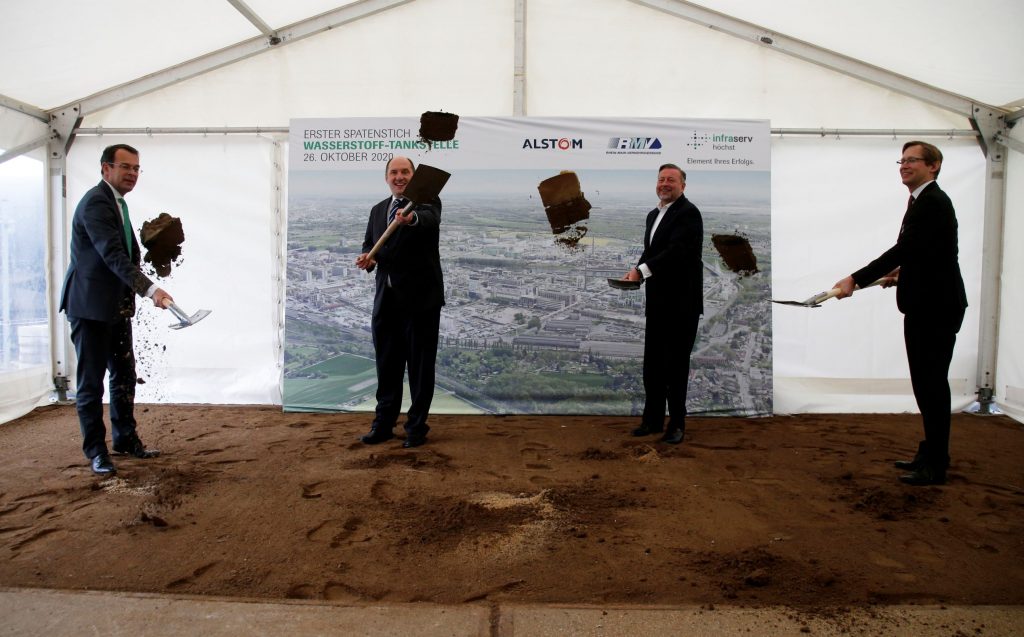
127	226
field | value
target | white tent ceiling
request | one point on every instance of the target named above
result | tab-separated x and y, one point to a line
71	49
866	66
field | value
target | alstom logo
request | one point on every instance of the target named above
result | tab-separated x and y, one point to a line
562	143
634	143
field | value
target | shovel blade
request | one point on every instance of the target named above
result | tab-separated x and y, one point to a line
797	303
191	320
426	183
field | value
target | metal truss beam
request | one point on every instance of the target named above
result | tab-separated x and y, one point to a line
22	107
519	61
815	54
1004	139
991	127
27	147
252	17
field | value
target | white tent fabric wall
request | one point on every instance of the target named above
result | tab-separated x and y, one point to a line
1009	381
836	205
17	128
26	377
224	189
846	356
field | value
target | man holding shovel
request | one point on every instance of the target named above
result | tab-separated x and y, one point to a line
930	293
406	305
98	297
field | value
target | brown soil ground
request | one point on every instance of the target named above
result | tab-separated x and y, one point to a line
803	511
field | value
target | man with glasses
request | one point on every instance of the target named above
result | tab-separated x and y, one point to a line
930	293
98	298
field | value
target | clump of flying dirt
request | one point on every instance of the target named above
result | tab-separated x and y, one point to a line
735	250
162	237
566	208
437	126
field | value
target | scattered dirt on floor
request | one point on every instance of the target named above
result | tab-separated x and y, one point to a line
802	511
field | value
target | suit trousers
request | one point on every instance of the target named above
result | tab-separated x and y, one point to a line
104	347
930	344
668	342
402	337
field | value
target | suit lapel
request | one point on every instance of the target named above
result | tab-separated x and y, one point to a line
666	221
651	216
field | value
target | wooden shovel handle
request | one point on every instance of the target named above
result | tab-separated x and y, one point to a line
390	230
824	296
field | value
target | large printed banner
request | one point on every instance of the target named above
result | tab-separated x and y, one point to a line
531	324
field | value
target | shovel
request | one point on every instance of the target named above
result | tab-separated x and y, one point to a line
821	297
184	319
426	183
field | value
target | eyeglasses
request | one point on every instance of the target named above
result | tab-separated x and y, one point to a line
909	160
123	166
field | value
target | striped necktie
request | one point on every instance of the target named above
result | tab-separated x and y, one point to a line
396	205
127	226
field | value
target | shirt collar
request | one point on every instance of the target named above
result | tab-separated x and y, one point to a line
117	195
917	191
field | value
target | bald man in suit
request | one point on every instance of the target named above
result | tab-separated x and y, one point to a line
406	306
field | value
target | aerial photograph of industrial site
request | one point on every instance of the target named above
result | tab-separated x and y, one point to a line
530	324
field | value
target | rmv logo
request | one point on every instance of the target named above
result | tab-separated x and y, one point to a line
634	143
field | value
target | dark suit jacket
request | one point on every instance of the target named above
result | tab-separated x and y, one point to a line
410	257
926	253
676	284
101	277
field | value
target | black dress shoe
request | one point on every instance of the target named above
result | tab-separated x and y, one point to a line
646	430
924	476
137	449
101	465
917	462
376	436
414	441
907	465
673	436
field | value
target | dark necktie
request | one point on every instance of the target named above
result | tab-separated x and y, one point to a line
910	204
127	226
396	205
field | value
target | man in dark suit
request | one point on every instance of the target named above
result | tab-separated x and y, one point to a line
98	298
406	306
671	269
930	293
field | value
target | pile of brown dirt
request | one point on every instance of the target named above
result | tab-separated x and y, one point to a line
251	502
